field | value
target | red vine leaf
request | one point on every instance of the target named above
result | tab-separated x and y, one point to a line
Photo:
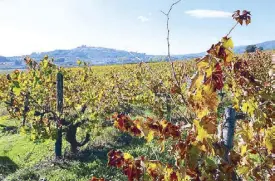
244	17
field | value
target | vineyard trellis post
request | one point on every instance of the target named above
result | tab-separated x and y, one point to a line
59	102
228	129
230	118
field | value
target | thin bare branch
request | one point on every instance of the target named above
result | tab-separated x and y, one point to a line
173	72
232	29
167	26
173	6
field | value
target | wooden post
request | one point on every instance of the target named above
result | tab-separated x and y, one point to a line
228	134
229	127
59	96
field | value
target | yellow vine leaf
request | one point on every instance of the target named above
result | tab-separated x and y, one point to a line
202	134
243	170
197	96
197	81
154	167
236	101
249	107
207	90
246	132
243	149
150	136
16	91
163	123
200	146
203	63
167	172
127	156
230	56
138	123
270	139
226	88
202	113
227	43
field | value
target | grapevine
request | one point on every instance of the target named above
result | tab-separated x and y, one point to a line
200	155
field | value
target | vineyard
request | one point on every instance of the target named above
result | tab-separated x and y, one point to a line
205	119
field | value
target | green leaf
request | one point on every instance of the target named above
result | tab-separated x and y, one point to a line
16	84
270	139
45	63
243	170
16	91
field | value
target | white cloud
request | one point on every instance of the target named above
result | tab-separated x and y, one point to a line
143	19
200	13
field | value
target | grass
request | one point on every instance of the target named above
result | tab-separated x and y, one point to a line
28	160
22	159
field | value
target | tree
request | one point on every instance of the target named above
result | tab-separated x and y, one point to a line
261	48
251	48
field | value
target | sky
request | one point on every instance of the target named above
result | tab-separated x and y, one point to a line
28	26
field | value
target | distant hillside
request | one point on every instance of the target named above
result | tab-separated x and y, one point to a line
3	59
102	56
268	45
95	55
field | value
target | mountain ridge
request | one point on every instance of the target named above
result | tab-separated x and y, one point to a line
103	56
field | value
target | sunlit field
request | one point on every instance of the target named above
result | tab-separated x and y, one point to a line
173	116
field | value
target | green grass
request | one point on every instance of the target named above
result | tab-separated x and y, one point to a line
34	161
22	159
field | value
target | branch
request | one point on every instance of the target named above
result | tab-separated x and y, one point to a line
171	7
78	124
167	27
232	29
168	47
85	141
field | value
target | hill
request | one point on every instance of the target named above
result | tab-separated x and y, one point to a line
103	56
3	59
95	55
268	45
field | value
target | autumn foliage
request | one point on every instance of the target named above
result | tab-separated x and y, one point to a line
196	93
200	154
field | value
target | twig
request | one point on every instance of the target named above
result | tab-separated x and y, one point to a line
168	48
232	29
167	27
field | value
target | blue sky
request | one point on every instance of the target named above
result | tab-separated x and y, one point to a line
137	25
